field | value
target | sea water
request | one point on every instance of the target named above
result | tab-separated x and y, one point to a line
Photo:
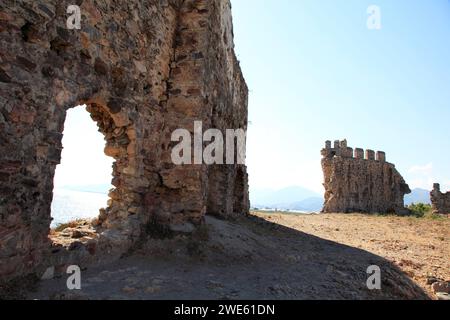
69	205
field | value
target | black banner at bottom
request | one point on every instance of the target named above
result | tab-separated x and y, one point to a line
223	309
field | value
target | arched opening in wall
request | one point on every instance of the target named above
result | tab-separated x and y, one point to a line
83	178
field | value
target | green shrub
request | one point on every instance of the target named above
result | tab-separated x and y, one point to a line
420	209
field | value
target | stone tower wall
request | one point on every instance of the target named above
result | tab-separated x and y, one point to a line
144	69
355	182
440	201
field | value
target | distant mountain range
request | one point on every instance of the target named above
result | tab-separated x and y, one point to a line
302	199
418	196
290	198
313	204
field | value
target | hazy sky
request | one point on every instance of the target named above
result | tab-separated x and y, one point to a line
315	73
83	161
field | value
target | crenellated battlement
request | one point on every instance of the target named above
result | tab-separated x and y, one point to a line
358	180
341	149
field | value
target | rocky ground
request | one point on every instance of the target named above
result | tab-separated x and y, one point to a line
275	256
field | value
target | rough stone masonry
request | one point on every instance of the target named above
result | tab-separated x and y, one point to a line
440	201
358	181
143	68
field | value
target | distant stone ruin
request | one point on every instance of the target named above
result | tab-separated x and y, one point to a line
440	201
144	69
358	181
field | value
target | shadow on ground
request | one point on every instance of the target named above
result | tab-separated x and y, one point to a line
249	258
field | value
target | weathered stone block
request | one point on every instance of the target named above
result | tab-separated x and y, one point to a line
381	156
359	153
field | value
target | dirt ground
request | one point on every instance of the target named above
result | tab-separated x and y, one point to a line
419	247
274	256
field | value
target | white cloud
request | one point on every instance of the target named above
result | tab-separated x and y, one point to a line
421	176
425	169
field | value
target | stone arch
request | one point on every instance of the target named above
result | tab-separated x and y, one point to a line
83	155
117	226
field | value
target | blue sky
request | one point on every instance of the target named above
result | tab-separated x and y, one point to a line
316	72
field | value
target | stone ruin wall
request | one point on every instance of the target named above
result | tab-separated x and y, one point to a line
358	181
440	201
143	68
